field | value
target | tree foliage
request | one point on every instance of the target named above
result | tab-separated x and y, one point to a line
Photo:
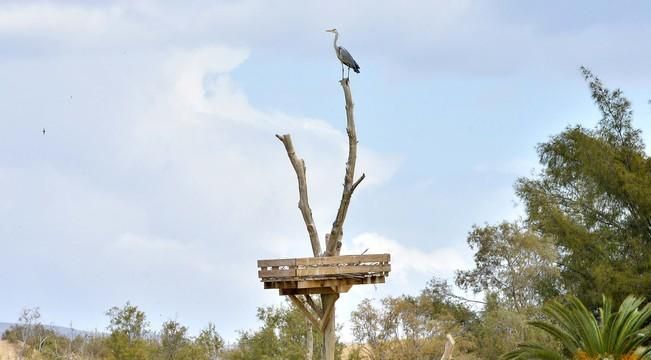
210	342
283	335
593	198
129	338
128	326
411	327
515	265
174	341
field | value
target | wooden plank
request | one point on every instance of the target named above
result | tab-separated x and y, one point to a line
338	282
321	283
280	284
315	291
301	306
320	286
339	270
343	259
276	262
276	273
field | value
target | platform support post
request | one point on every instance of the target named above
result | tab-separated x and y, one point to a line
329	336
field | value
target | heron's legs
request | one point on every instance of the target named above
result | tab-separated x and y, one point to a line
342	71
348	76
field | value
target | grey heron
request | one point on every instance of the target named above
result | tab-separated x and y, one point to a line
344	56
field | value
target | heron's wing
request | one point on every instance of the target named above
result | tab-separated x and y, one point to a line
347	59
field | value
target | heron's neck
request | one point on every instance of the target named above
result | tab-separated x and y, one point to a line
335	42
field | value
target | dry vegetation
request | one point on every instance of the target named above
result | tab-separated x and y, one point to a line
7	351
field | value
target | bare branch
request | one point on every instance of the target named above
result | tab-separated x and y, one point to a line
358	181
318	310
303	203
301	306
464	299
334	242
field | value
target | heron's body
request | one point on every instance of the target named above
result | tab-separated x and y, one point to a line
344	56
347	59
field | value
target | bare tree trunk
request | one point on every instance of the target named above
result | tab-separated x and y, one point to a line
449	346
334	240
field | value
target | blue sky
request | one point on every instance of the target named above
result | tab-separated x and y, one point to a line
160	182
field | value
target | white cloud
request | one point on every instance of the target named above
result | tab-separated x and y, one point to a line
135	243
406	261
136	252
461	37
45	19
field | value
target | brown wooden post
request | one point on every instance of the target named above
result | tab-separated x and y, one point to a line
329	336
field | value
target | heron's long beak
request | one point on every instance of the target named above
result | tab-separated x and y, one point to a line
331	30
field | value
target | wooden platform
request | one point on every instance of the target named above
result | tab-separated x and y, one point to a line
323	275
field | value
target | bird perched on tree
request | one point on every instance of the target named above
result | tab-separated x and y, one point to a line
344	56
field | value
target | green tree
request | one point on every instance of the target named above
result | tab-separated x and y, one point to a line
29	334
516	270
516	265
210	342
128	326
412	327
282	336
593	198
371	329
173	340
617	335
128	320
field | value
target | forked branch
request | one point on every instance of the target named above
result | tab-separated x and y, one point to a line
333	243
303	203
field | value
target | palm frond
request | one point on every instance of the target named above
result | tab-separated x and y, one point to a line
622	334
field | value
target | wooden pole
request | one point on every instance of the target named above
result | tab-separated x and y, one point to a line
449	345
329	336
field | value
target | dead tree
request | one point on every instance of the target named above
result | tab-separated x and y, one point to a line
326	274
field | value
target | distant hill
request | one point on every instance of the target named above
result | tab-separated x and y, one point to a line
63	331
